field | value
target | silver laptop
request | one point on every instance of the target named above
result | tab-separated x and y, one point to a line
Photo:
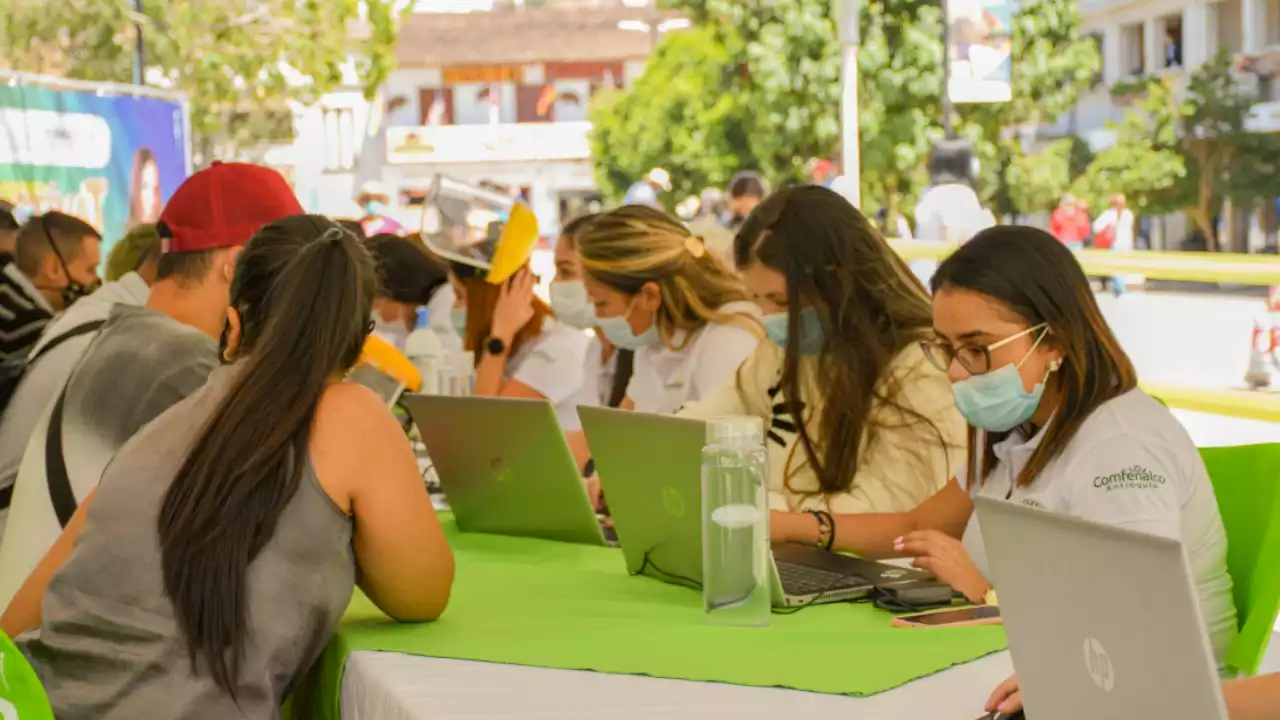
650	471
1103	622
505	467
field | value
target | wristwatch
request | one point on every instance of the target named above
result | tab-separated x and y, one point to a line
494	346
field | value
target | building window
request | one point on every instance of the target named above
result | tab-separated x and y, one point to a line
341	140
1230	25
1172	42
1271	37
1096	37
484	103
1132	49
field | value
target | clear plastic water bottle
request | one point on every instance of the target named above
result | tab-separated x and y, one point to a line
736	588
426	352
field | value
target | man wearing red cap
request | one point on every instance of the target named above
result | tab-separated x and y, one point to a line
144	359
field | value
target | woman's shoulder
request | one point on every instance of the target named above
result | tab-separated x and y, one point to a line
1134	418
557	337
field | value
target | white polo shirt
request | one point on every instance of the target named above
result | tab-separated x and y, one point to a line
664	379
1131	464
597	382
552	365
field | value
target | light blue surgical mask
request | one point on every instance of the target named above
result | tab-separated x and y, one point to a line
570	303
373	208
458	318
996	401
812	337
619	332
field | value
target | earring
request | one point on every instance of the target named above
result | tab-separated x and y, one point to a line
1055	364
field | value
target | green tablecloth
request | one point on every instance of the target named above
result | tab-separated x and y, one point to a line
554	605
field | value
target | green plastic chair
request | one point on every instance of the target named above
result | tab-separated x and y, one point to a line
22	696
1246	481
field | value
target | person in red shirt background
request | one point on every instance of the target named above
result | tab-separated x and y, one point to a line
1070	223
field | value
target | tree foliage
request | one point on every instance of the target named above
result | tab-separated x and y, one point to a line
238	61
676	116
1187	151
1052	65
780	60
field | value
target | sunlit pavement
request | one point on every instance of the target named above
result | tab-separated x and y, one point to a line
1193	340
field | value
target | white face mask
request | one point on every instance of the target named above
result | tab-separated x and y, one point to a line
571	305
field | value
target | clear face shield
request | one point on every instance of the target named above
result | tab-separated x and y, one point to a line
478	228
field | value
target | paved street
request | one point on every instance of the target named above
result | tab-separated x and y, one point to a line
1195	340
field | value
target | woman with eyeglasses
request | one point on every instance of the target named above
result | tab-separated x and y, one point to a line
1057	420
858	420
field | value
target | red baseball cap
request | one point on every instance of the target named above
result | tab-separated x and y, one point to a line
223	206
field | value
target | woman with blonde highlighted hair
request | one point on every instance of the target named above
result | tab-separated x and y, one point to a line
657	290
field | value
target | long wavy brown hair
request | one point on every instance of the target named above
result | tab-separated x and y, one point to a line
1038	279
871	306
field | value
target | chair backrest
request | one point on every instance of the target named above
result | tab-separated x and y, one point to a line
22	696
1246	481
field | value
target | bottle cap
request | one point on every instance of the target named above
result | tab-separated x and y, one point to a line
424	318
735	430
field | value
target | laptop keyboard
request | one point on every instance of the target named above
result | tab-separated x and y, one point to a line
804	580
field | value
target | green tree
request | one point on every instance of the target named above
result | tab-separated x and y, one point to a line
679	115
1187	151
790	58
1052	65
1037	181
240	62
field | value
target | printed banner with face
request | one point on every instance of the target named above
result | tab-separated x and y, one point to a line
980	49
109	158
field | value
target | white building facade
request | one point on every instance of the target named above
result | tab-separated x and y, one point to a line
1170	39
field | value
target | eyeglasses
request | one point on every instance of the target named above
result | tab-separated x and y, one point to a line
976	359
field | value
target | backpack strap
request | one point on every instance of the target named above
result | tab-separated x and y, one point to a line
73	332
6	494
55	464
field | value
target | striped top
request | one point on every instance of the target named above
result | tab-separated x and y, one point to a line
23	311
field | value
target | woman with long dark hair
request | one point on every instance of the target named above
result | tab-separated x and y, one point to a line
220	550
858	419
1057	422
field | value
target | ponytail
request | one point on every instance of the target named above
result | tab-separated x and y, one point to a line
304	305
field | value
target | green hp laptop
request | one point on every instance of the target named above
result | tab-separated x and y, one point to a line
505	467
650	468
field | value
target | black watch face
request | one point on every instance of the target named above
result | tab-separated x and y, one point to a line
495	346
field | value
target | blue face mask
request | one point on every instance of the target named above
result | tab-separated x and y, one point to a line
812	337
996	401
458	318
571	305
374	208
619	332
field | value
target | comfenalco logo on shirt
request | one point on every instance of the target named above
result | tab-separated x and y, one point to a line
1132	478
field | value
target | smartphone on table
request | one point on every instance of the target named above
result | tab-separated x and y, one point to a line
976	615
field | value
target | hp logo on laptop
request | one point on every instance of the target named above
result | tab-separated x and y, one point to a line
1098	663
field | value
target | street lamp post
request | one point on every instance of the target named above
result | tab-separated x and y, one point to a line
850	39
139	54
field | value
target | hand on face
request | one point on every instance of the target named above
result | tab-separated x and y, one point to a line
945	557
515	306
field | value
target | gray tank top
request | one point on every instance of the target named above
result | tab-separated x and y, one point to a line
109	646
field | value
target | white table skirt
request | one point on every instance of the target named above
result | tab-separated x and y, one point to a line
392	686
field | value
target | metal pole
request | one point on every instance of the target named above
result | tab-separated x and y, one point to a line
851	158
947	108
139	53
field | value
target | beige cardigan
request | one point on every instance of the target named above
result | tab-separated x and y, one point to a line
903	468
